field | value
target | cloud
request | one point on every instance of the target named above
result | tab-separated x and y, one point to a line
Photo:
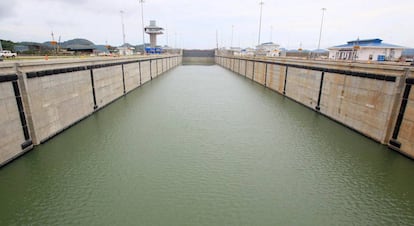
193	24
7	8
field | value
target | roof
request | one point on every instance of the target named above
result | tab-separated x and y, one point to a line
376	43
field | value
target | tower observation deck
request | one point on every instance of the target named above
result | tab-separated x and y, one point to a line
153	30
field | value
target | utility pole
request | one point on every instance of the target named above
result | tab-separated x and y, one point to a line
271	33
232	32
53	42
1	47
123	26
166	31
260	21
217	45
320	31
175	40
142	20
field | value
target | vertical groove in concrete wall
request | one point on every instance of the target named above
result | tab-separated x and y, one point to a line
123	77
12	137
239	66
140	74
156	66
401	112
320	92
284	84
22	115
265	81
245	68
253	70
20	109
150	64
95	106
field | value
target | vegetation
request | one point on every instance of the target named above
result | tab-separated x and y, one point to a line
8	45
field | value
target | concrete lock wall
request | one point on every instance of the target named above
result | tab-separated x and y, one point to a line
374	100
403	134
198	57
52	101
39	100
406	136
145	71
11	133
132	76
259	72
276	77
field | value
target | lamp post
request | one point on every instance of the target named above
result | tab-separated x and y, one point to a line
260	21
232	31
123	26
271	33
320	31
142	21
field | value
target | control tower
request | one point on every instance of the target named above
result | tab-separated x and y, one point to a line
153	30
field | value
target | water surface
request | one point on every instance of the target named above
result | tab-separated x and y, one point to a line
203	146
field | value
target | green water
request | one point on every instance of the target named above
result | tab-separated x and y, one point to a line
203	146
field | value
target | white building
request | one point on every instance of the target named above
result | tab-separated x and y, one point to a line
247	52
369	49
268	49
126	50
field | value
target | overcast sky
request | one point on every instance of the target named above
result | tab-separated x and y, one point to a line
193	24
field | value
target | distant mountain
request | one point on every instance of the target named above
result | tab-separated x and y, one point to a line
77	41
408	52
320	51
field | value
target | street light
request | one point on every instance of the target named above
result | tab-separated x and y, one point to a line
232	31
320	31
260	22
123	26
142	20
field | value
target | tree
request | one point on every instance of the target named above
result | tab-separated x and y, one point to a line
7	45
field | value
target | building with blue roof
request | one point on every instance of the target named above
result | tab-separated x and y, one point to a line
269	49
367	50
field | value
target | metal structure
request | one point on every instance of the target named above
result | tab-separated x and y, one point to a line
123	26
260	21
232	33
320	31
142	21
